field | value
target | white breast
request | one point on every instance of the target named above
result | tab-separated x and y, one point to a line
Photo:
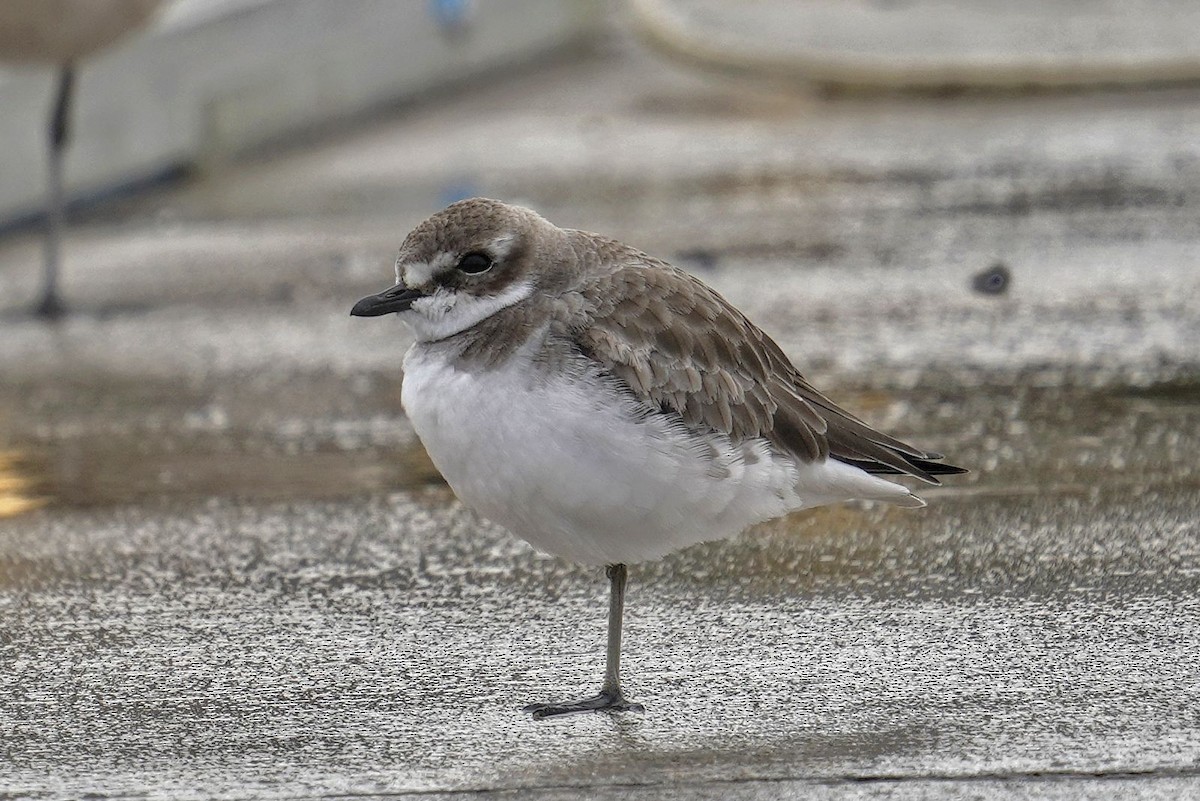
568	464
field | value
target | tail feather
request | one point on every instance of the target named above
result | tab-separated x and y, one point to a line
923	468
909	501
836	480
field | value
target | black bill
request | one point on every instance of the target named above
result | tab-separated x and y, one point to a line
396	299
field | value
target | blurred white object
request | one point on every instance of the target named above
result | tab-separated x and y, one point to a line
932	45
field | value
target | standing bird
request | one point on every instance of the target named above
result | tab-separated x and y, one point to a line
62	32
608	407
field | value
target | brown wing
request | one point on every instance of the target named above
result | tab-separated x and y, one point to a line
682	348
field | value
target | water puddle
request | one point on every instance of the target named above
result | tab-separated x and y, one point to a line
99	471
19	489
146	442
114	441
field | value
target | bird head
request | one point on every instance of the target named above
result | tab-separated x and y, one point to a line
461	266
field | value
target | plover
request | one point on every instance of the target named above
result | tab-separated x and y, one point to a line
608	407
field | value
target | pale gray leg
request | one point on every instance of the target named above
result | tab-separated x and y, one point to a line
51	304
610	695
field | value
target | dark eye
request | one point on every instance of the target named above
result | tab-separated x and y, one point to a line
474	263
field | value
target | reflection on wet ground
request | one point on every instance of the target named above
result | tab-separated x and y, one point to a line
18	485
145	441
153	441
228	569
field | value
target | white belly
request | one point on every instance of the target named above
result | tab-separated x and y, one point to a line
566	464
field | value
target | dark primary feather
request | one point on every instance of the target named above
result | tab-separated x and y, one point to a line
682	348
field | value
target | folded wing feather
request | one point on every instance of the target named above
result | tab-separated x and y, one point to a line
681	348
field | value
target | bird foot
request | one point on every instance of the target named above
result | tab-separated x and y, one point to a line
604	700
51	307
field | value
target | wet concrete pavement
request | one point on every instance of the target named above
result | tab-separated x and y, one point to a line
228	570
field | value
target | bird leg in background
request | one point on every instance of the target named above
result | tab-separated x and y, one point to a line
50	304
610	695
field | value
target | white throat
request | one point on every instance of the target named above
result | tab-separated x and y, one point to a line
444	313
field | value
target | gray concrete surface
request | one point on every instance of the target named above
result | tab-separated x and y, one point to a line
227	570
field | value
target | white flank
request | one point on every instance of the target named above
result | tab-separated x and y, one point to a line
565	462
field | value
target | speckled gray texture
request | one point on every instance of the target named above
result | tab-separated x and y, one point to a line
246	581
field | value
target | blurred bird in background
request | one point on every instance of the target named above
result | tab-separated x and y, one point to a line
61	33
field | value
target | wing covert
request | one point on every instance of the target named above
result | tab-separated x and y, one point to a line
680	347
